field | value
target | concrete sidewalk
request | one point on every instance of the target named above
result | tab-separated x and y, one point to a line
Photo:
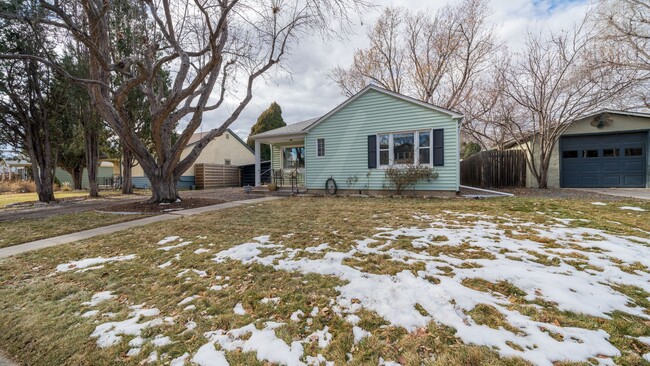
637	193
69	238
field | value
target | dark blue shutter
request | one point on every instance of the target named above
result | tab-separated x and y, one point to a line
438	147
372	151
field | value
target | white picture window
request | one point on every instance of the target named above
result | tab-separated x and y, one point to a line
403	148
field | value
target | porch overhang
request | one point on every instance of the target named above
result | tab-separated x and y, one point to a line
270	140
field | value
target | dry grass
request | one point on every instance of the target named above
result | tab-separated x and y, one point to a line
40	322
10	198
17	186
22	231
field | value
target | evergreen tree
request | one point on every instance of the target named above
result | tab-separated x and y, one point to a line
269	119
470	148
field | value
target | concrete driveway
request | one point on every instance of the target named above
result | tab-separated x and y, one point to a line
638	193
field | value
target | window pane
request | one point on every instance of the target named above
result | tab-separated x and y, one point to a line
589	153
609	153
634	151
293	157
570	154
383	157
321	147
425	156
403	148
425	138
384	142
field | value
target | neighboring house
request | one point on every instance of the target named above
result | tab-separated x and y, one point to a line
227	149
15	169
356	141
605	149
107	169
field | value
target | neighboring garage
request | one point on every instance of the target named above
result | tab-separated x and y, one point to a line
604	160
606	149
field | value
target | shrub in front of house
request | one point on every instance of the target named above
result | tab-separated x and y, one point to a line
403	177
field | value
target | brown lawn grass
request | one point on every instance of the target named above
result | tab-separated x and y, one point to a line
40	322
23	231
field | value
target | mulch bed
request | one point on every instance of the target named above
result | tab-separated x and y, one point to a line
146	207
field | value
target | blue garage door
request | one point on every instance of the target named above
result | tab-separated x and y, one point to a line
612	160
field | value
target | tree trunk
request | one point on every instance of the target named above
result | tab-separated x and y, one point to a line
91	133
127	171
77	176
542	178
163	189
44	180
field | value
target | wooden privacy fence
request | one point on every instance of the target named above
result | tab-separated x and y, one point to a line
494	169
216	176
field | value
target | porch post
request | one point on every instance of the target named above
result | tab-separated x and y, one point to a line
258	164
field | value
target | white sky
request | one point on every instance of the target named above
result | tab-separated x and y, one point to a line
308	92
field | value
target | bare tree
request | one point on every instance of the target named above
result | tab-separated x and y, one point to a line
383	63
552	82
437	58
493	114
624	30
224	44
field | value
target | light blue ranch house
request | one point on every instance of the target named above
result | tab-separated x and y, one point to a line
358	140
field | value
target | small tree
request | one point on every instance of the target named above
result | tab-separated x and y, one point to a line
401	178
469	149
552	82
270	119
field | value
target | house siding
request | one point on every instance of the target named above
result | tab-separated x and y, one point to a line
620	123
346	147
102	172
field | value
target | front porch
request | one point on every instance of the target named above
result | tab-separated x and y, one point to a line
287	168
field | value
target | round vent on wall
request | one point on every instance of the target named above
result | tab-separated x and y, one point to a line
602	120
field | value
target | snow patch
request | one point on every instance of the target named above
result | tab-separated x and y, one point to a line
110	333
85	263
169	239
99	297
510	259
239	309
632	208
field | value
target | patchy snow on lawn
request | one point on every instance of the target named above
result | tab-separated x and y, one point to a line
632	208
179	245
239	309
88	262
248	338
169	239
99	297
508	257
188	300
110	333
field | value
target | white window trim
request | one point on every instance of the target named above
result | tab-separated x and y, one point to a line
324	148
416	148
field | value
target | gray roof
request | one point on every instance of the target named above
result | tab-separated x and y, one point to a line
292	129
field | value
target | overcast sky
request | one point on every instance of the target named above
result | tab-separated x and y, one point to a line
308	92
